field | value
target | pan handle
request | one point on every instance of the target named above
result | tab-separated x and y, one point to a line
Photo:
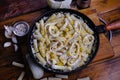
112	26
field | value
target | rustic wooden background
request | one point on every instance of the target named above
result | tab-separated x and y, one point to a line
16	10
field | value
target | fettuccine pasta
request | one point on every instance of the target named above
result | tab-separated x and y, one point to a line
62	41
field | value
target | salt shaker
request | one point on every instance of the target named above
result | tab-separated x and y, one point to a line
21	28
83	3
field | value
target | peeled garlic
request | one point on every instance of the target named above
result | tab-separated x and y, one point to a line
14	39
7	44
15	47
7	35
8	31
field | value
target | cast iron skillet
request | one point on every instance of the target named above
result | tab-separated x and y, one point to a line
86	20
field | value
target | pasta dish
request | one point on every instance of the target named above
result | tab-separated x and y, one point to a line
62	41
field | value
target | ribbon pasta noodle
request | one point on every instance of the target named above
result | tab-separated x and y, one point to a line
62	41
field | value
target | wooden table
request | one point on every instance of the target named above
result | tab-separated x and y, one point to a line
105	66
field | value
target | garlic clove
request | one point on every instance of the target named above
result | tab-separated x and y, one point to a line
8	31
7	35
15	47
14	39
7	44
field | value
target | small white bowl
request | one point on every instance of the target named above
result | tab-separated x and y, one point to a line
59	4
21	28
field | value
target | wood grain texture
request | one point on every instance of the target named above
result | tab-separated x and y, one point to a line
92	14
111	16
116	39
103	6
10	73
105	50
99	70
103	71
12	8
116	43
30	19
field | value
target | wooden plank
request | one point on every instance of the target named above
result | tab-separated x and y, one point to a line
116	39
12	8
105	49
26	17
111	15
117	51
92	14
116	43
108	70
103	6
10	72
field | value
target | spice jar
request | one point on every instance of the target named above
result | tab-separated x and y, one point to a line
83	3
21	28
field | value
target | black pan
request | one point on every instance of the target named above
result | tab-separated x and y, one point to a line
87	21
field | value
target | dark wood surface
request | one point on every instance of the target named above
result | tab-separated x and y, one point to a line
11	8
107	63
